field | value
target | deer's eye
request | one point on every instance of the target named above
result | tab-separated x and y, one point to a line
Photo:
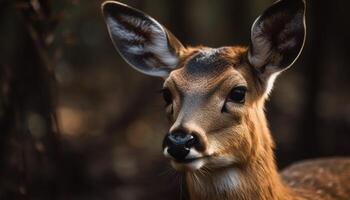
237	95
168	98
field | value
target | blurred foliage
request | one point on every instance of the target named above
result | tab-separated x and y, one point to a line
77	123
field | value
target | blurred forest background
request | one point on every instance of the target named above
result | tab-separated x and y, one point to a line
77	123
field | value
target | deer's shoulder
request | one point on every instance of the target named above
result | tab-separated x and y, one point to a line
326	179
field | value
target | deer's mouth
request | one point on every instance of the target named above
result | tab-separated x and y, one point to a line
189	164
187	161
209	161
192	160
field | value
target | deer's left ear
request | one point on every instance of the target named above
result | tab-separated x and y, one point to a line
277	37
143	43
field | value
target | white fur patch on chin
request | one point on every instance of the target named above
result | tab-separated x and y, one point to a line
192	166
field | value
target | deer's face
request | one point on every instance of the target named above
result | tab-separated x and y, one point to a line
213	96
207	101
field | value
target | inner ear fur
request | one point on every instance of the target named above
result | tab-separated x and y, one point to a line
278	36
143	42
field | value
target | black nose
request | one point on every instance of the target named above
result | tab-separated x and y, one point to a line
179	144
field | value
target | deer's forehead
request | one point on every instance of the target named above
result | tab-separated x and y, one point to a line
205	71
207	63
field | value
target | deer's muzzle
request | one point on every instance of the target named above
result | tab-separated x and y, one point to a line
179	144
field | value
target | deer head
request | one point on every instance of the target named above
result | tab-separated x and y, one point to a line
214	96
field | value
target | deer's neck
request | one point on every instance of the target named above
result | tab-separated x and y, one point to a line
258	179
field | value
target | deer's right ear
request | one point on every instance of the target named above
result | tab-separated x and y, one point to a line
278	36
143	43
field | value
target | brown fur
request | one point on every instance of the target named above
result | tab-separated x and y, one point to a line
245	135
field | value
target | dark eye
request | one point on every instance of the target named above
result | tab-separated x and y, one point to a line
237	95
168	98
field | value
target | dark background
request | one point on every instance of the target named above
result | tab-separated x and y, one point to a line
77	123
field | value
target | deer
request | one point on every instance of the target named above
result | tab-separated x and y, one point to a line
219	136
